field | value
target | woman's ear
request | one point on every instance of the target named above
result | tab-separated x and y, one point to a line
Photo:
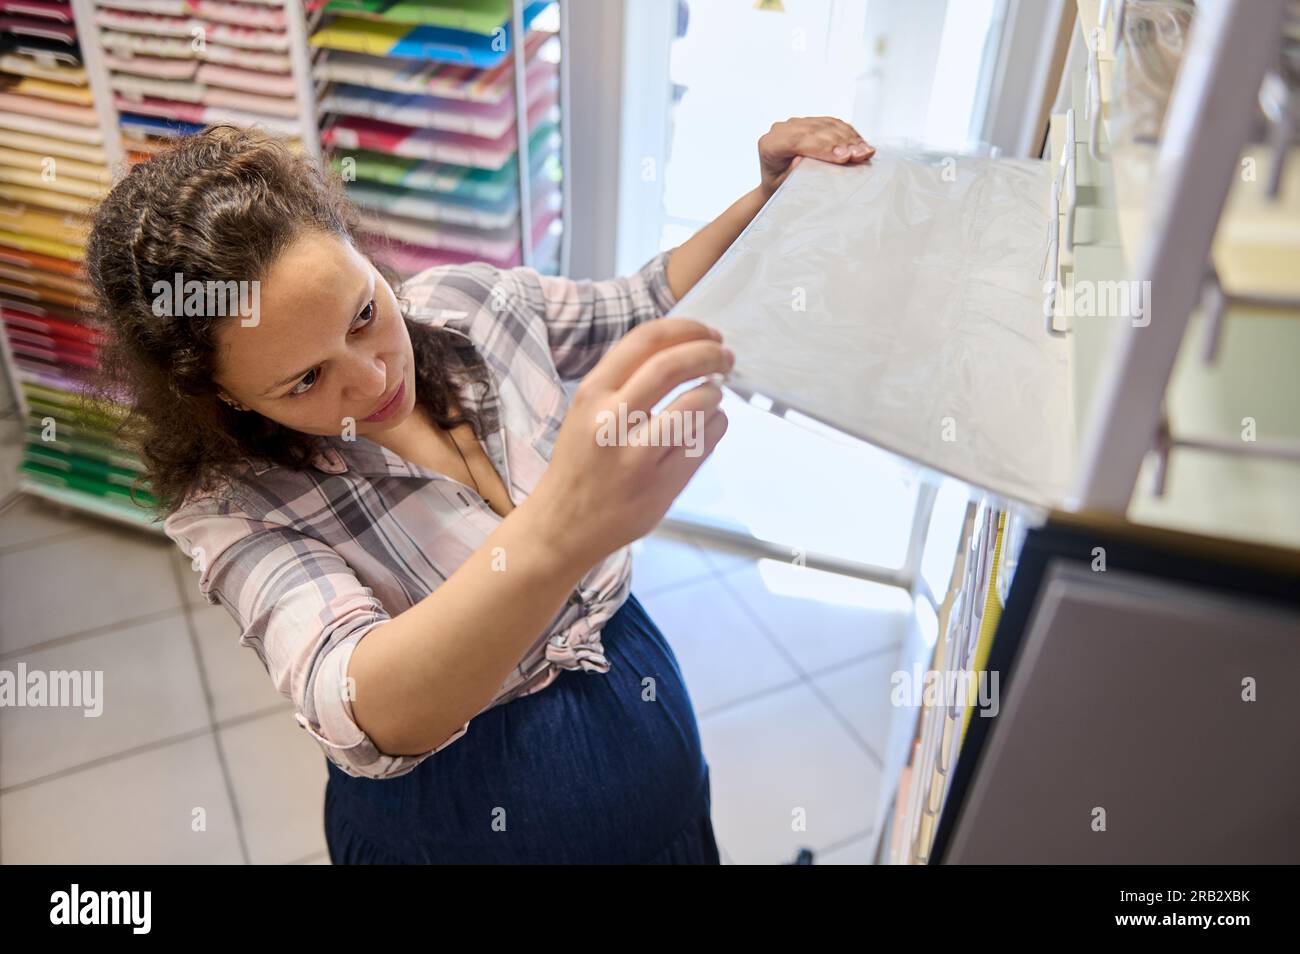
231	401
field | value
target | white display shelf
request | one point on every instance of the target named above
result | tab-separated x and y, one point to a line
1256	247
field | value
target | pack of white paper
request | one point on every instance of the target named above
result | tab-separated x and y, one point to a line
902	302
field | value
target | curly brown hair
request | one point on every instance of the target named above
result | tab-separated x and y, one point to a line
221	205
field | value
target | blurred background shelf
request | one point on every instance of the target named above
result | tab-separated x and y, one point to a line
414	104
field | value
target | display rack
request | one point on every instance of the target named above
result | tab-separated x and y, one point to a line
58	151
421	112
1168	481
473	97
1036	411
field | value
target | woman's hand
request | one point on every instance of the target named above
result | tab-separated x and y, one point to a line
608	482
821	137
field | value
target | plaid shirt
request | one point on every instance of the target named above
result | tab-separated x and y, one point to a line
309	561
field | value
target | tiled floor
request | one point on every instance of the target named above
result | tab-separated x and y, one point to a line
199	760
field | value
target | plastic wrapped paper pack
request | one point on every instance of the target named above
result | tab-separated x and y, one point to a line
900	301
1147	61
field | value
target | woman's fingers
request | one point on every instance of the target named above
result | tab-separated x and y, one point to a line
679	429
680	464
835	140
701	399
667	369
632	351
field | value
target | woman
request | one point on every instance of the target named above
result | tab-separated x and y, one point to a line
410	520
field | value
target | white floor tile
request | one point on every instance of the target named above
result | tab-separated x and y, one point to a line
665	559
236	679
29	520
723	655
860	692
780	761
772	743
136	810
151	691
278	773
95	580
822	619
859	851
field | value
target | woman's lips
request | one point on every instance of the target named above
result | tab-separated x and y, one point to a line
390	406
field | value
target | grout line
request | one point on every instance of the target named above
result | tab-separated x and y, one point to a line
144	748
703	714
58	641
735	567
230	795
675	585
832	668
848	726
801	675
804	675
746	699
80	522
10	500
807	677
106	759
58	536
254	715
210	705
214	726
762	627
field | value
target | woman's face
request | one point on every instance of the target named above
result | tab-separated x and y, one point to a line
328	348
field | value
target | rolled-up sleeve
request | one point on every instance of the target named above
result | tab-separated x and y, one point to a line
585	318
303	610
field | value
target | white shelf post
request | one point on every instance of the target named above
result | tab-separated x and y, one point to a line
518	41
92	61
303	81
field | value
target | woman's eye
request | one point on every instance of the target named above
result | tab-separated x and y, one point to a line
367	314
366	317
308	379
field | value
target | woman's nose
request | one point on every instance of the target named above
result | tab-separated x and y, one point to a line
368	380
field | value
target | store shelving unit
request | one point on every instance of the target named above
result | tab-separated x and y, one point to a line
58	151
1187	384
420	110
430	110
1162	396
174	68
923	308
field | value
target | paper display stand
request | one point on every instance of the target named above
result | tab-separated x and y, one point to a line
126	82
904	302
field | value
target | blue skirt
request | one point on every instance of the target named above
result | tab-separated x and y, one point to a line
597	768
